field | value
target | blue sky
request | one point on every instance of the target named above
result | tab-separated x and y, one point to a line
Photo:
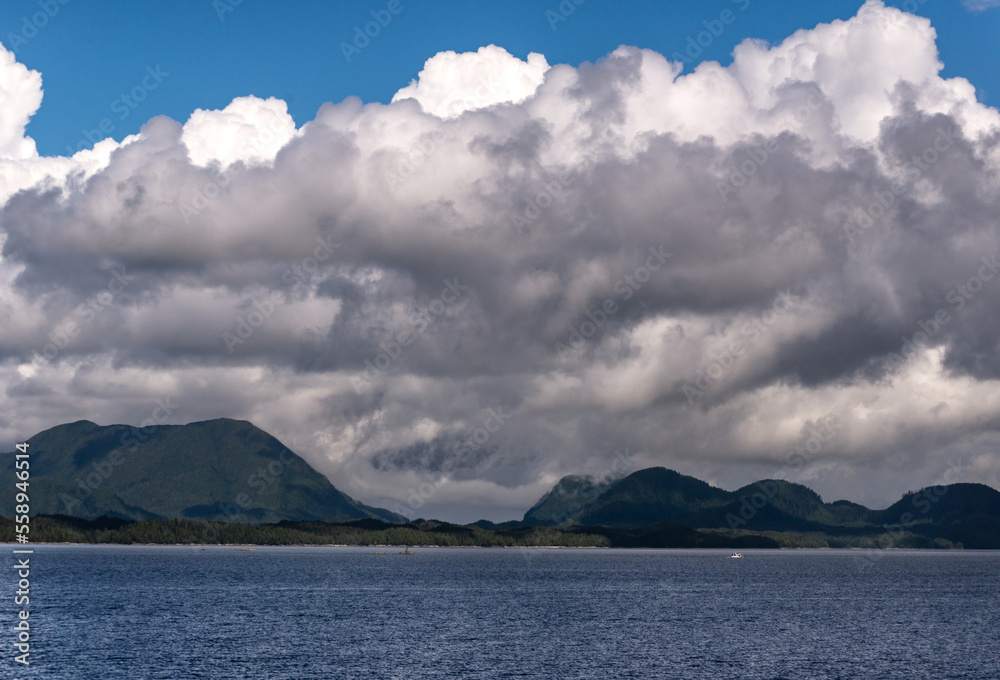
90	53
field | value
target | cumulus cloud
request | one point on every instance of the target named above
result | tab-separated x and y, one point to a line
20	97
514	270
250	129
20	165
451	84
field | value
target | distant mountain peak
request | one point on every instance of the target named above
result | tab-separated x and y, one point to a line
570	494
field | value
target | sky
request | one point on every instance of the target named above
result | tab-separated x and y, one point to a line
451	252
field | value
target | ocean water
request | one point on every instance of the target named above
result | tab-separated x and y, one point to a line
135	612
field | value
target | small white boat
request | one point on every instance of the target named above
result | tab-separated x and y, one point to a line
736	556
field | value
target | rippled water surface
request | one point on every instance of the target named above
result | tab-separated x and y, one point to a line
296	613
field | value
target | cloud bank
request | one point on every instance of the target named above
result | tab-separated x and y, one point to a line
514	270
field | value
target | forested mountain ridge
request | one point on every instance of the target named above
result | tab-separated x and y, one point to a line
967	514
223	469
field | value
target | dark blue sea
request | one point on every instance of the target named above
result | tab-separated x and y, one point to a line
135	612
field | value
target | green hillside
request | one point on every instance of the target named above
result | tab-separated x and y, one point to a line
221	469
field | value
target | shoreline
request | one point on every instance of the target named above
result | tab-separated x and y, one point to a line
22	546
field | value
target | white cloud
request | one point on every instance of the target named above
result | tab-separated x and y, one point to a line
248	129
20	97
20	165
451	84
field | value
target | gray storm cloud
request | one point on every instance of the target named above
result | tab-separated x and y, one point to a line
701	269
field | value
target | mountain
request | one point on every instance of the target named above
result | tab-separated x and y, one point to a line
565	499
966	513
957	514
216	469
652	496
